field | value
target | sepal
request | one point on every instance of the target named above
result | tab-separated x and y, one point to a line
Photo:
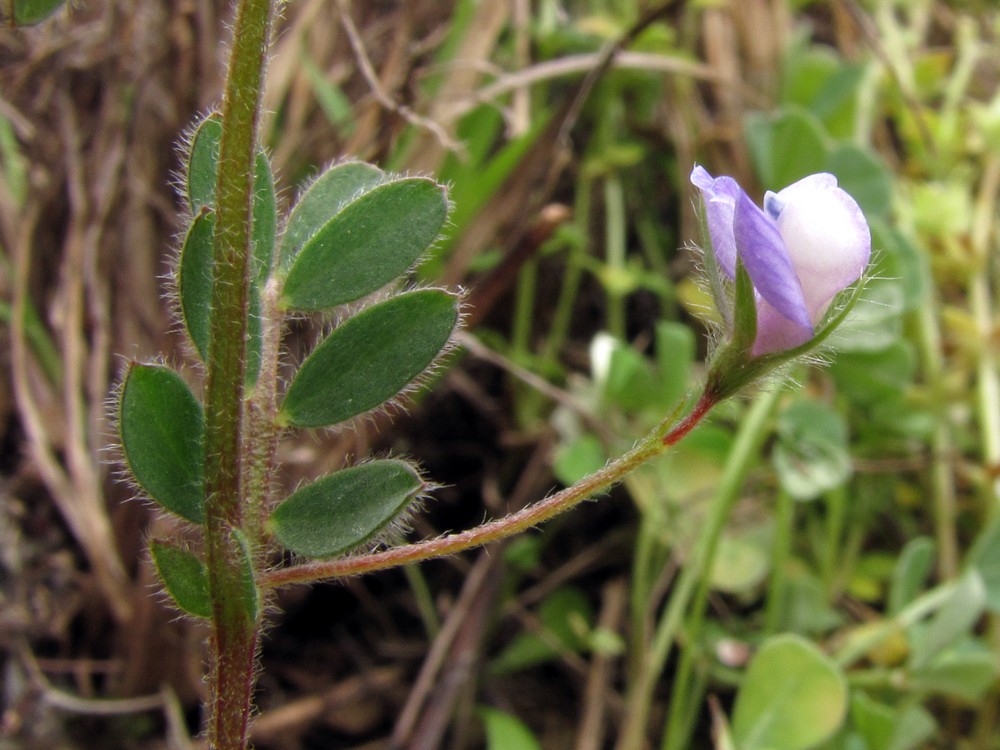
734	368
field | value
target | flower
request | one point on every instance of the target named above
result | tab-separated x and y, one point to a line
809	242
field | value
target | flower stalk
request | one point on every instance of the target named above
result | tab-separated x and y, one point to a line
657	442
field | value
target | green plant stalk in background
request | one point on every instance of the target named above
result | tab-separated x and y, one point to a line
696	571
235	613
684	701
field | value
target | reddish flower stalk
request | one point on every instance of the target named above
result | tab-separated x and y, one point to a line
531	516
703	407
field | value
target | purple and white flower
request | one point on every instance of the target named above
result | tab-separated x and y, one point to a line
809	242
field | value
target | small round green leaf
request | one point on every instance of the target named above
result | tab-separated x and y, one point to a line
341	511
793	697
184	577
27	12
324	198
368	243
162	429
370	358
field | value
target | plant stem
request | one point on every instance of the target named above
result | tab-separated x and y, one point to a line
943	494
832	564
657	442
235	624
984	242
784	521
615	228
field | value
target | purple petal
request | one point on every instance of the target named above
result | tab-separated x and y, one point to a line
763	252
719	196
775	332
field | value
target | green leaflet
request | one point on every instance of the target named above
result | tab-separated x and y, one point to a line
162	429
184	577
370	358
363	244
341	511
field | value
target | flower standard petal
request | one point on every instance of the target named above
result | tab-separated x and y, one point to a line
762	250
818	181
719	196
827	238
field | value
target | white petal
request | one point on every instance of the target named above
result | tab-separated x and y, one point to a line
827	238
818	181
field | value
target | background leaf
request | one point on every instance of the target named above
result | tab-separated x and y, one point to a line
910	573
785	147
886	727
506	732
27	12
953	619
793	697
811	456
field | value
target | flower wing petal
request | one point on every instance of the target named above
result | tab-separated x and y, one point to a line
762	250
775	332
719	195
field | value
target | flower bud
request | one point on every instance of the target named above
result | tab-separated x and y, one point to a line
809	242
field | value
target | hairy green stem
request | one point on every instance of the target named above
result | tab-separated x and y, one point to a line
261	430
235	626
657	442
